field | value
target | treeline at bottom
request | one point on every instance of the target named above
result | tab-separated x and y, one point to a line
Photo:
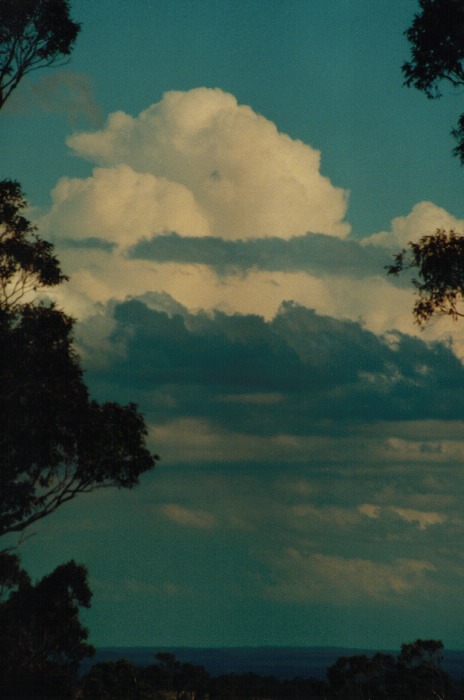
416	673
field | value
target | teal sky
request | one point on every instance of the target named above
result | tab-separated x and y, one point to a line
225	183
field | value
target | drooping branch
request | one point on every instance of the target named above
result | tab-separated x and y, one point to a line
439	261
111	452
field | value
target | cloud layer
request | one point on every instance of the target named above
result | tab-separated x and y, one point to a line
204	199
311	438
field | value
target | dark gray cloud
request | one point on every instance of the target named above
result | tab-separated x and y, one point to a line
310	253
63	92
297	373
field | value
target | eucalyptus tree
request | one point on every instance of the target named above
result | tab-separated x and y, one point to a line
55	441
436	38
33	34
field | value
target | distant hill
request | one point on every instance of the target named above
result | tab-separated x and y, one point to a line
282	662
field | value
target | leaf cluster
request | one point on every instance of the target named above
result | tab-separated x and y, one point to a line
27	262
439	259
33	34
436	36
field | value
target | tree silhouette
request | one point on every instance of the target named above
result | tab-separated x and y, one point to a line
111	680
33	34
55	442
415	674
421	676
42	639
439	260
436	36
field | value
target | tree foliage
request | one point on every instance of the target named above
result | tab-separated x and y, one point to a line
171	679
111	680
55	442
436	36
43	640
33	34
27	261
415	674
439	260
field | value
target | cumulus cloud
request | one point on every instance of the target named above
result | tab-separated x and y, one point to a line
248	179
197	170
204	199
121	205
423	220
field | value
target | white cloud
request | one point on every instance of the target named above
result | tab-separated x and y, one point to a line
248	179
121	205
423	219
199	164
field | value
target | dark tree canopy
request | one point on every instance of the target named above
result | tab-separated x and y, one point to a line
33	34
415	674
55	442
42	640
439	260
436	36
111	680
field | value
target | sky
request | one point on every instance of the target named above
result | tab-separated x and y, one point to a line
225	183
